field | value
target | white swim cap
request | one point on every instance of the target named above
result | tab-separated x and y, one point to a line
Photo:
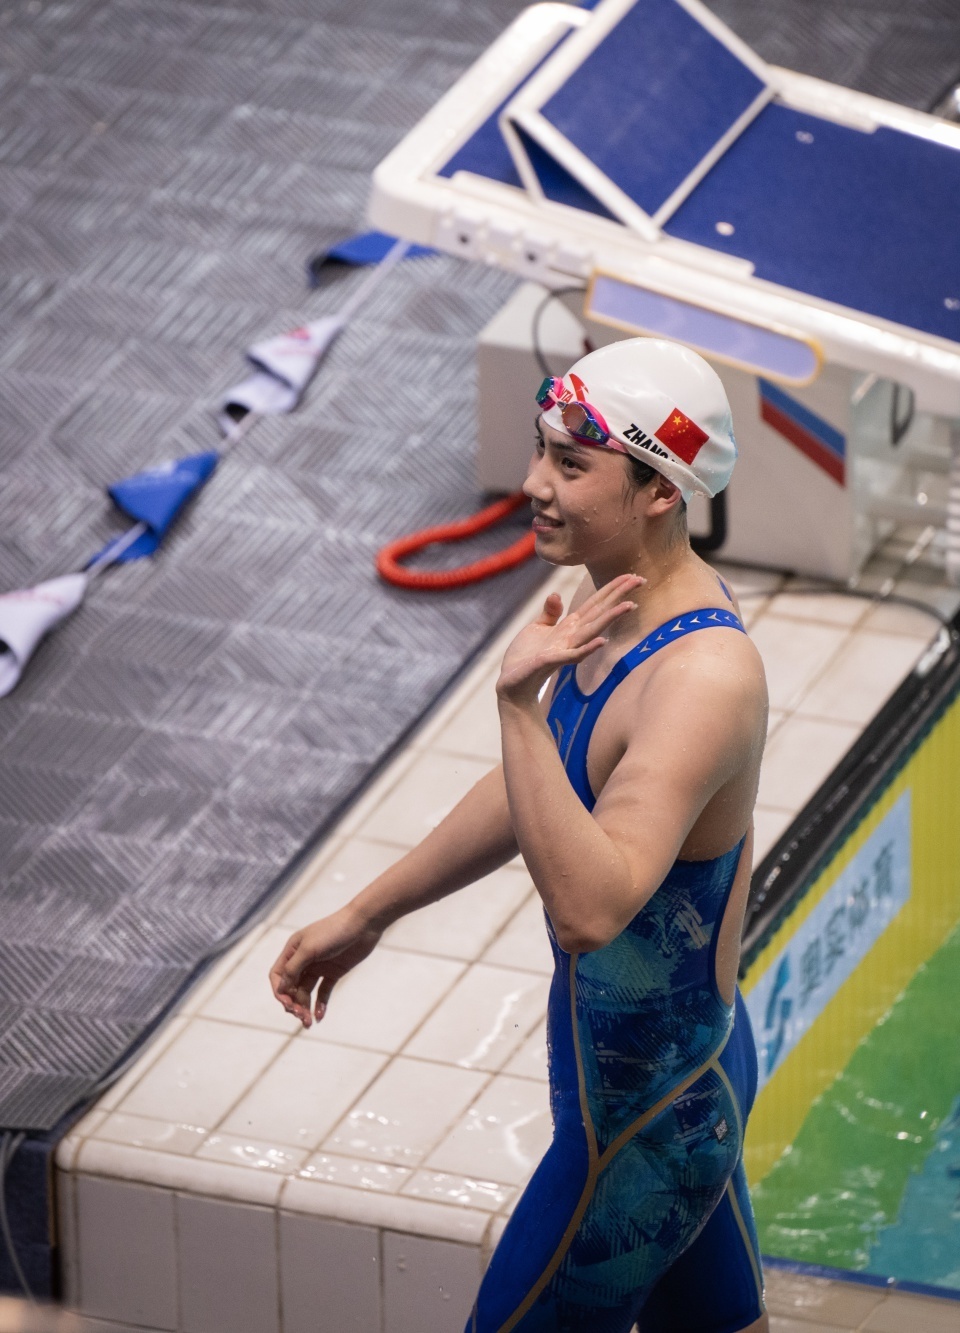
663	404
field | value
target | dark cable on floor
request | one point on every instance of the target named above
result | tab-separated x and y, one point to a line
535	327
840	589
9	1145
901	420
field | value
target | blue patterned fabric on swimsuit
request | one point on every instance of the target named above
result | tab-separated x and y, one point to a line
639	1211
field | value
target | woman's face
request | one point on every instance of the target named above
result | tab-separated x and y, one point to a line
585	507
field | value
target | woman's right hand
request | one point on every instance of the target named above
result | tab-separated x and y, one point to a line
319	955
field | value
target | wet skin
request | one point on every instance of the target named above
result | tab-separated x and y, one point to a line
679	739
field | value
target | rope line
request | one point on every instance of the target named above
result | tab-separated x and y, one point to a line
392	571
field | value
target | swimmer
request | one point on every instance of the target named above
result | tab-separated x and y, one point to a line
632	731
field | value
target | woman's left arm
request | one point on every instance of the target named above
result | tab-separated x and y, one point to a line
595	870
574	864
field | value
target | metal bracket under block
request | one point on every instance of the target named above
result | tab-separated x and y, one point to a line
953	508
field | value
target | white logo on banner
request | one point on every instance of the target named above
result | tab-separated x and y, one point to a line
839	932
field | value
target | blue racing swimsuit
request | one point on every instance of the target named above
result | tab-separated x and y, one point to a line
639	1211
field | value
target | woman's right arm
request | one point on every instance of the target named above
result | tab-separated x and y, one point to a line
475	838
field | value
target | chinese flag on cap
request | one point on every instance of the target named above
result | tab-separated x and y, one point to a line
681	435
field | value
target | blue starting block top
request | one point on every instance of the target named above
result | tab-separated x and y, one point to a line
653	99
486	153
864	220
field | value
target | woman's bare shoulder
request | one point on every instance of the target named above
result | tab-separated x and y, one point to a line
719	669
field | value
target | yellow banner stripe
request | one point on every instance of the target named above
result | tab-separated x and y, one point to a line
933	776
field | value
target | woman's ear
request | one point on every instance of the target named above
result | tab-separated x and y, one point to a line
666	495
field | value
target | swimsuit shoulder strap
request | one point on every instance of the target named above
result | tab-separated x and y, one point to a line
709	617
574	714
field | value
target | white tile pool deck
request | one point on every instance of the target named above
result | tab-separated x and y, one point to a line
246	1176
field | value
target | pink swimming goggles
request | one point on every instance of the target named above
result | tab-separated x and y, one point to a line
580	420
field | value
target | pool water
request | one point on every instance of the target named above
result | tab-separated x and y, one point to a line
924	1241
872	1181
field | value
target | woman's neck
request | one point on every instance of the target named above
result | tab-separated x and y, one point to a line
676	580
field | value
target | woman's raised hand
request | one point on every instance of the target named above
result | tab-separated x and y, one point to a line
550	642
319	955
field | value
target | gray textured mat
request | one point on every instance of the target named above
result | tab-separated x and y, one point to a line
165	170
905	52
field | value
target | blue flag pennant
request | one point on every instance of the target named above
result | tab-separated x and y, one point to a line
369	247
156	496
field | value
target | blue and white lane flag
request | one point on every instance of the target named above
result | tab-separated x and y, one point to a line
154	498
27	615
366	247
283	368
284	365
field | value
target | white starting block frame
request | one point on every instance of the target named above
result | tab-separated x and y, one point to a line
797	358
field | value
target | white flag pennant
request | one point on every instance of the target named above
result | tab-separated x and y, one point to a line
284	367
25	617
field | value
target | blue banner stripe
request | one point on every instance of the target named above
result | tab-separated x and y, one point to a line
825	433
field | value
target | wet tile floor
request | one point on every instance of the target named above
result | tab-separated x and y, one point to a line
802	1304
419	1106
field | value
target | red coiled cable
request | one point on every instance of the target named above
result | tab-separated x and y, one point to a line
388	559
